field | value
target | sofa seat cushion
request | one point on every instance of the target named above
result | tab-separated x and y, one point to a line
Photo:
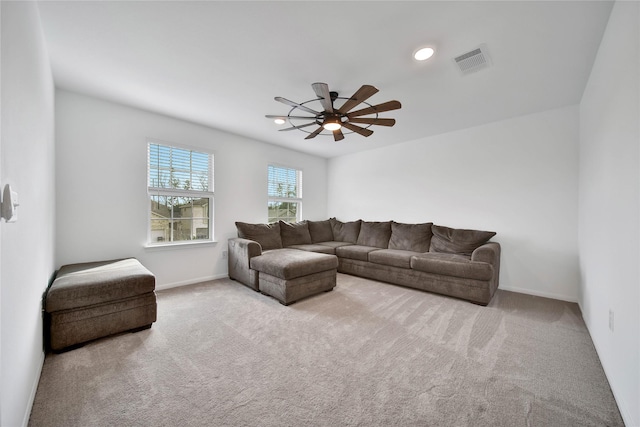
91	283
452	265
291	263
393	257
334	244
355	252
323	249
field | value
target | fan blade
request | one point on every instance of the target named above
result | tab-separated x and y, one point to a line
365	92
373	121
295	104
269	116
338	135
380	108
322	90
357	129
315	133
297	127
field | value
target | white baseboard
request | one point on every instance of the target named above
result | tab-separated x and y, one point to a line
538	293
190	281
34	389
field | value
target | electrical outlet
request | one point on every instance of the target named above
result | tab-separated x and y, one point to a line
611	320
224	254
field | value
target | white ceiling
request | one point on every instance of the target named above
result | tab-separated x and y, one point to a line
221	64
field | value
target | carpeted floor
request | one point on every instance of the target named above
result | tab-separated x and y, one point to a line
366	354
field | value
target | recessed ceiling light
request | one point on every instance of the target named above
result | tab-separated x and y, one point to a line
423	53
279	121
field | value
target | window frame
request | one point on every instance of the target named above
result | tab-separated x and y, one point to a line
299	194
176	192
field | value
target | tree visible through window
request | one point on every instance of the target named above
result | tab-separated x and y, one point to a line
284	194
180	189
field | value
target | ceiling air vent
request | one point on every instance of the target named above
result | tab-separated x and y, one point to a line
474	60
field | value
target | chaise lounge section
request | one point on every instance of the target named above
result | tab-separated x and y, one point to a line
460	263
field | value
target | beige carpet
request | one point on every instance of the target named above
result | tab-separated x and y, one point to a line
366	354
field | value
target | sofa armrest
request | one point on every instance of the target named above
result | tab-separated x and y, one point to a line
240	253
490	253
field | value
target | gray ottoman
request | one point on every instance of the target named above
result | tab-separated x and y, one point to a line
96	299
289	274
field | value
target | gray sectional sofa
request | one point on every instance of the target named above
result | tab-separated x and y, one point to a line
290	261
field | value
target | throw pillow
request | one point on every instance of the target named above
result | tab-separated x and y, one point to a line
345	231
320	231
410	237
268	235
374	234
458	241
295	233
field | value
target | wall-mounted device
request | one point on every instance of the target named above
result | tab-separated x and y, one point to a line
9	204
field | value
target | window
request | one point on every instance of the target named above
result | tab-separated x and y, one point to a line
180	188
284	194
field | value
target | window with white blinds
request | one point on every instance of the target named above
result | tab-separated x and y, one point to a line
180	188
284	191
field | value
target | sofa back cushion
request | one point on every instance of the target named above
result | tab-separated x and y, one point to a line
320	231
458	241
410	237
268	235
374	234
295	233
345	231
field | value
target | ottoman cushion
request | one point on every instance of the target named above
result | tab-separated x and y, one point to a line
291	263
86	284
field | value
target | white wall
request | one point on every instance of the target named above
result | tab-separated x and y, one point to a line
609	203
517	177
27	154
102	206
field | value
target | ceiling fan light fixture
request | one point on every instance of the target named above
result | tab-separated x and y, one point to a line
279	121
332	123
423	53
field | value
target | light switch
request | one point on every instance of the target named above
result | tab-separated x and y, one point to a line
9	204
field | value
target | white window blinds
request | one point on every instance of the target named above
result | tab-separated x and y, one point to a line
178	168
284	182
284	192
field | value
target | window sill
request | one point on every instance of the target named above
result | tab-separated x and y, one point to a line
188	244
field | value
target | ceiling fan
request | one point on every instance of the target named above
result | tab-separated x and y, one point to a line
335	119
